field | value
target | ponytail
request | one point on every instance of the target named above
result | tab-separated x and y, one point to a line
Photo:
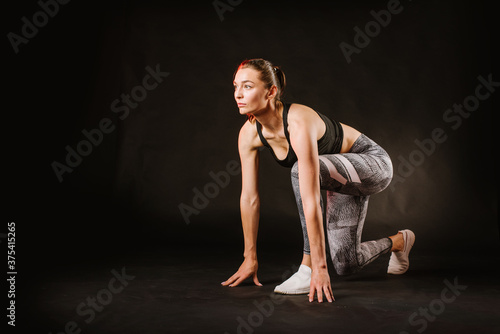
281	82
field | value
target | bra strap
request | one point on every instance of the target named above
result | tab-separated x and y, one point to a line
285	121
259	131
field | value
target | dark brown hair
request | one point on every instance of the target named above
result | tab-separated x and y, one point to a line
269	74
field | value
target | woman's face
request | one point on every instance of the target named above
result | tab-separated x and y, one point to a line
250	93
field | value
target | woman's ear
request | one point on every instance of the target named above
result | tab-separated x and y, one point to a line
272	92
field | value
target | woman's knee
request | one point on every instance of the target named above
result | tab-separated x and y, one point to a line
343	263
344	269
379	178
386	174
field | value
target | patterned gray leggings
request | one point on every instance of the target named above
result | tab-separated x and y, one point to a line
350	179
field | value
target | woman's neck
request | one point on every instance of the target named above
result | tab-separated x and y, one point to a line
272	117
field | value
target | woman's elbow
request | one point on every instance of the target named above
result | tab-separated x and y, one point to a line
250	200
312	206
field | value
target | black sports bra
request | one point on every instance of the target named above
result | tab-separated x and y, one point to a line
329	143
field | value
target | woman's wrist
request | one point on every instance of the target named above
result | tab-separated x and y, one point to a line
319	268
250	254
318	262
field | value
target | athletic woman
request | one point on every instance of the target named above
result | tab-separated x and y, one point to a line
322	154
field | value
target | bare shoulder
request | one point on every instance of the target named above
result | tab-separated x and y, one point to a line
303	118
248	137
300	112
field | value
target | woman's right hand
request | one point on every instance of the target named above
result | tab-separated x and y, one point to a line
320	283
247	269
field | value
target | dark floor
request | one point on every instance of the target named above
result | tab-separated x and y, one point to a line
164	292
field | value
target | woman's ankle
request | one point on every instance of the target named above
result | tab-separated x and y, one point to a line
397	242
306	260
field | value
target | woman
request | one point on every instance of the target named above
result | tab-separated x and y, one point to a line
322	154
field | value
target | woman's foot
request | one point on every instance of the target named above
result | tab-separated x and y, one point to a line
402	244
299	283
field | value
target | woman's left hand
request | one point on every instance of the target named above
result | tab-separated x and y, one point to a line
320	284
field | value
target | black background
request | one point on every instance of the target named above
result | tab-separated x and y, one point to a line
124	197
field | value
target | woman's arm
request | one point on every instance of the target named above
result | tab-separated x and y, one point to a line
249	200
303	137
249	205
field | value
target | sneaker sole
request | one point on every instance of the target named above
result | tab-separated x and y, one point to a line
292	292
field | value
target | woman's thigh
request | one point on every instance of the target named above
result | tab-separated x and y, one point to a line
365	170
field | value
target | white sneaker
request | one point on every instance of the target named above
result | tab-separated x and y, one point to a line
299	283
400	261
